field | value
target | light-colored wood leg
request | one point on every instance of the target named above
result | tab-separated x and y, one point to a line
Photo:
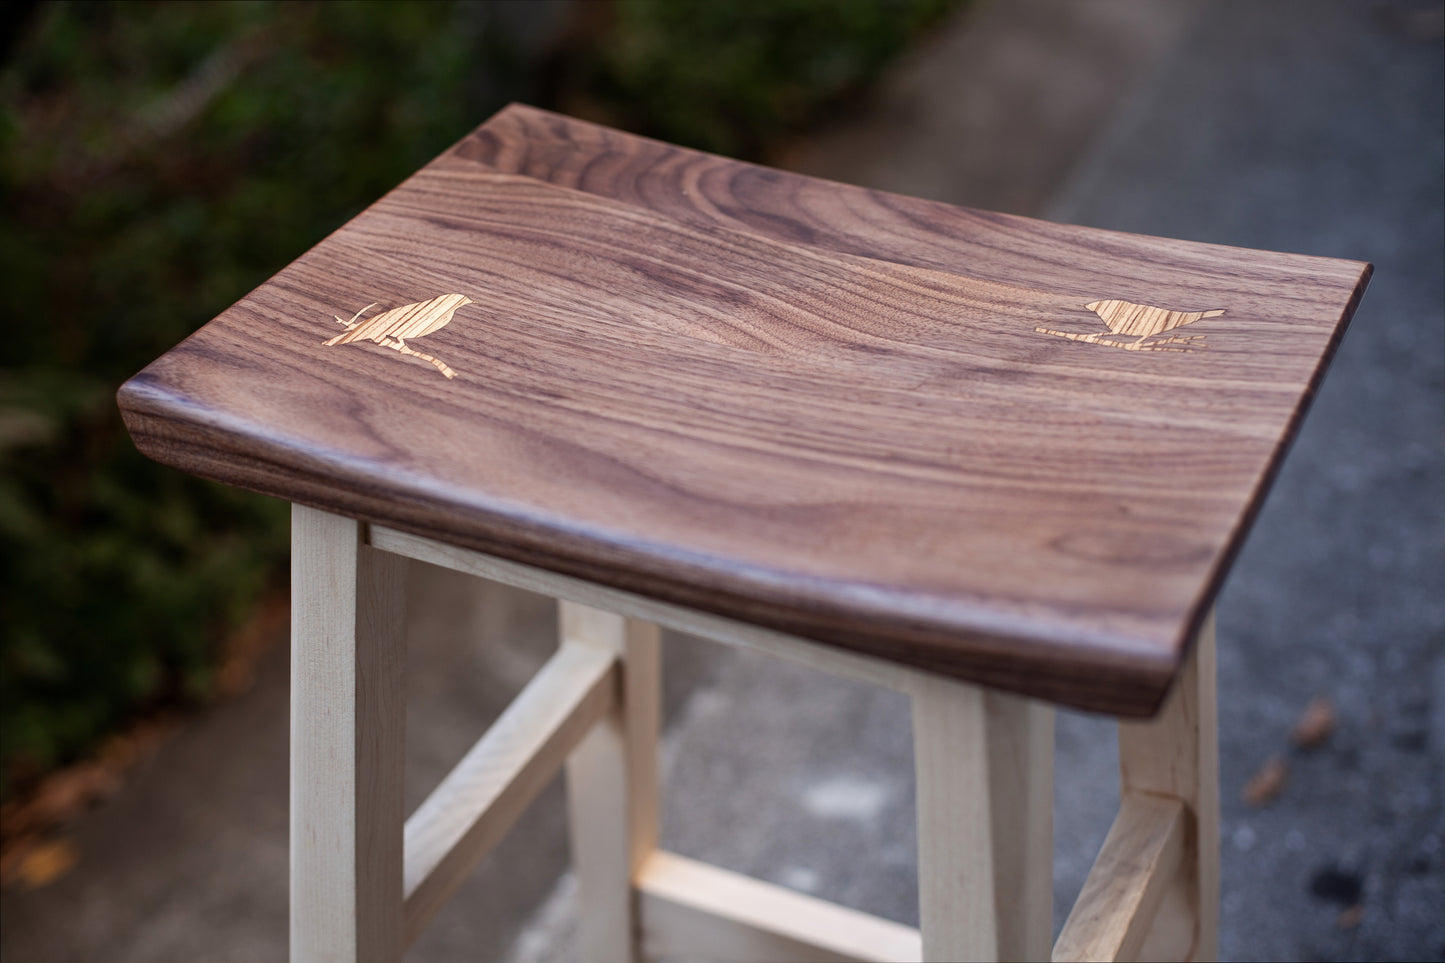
480	799
984	765
1021	777
348	717
1176	755
612	791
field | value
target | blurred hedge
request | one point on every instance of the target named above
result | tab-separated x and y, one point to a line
157	161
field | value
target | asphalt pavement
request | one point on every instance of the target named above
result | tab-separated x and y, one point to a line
1312	126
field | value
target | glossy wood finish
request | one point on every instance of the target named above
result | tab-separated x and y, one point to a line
807	406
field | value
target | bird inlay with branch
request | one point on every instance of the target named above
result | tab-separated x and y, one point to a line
390	329
1129	319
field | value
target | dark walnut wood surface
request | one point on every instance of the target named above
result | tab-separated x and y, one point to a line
1016	452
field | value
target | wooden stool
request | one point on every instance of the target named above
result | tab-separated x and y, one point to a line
971	457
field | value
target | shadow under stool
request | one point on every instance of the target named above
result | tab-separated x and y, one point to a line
994	463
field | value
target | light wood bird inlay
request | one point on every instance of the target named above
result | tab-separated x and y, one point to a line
390	329
777	400
1127	319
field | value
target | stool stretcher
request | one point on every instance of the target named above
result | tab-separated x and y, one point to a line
686	904
1140	859
363	886
499	777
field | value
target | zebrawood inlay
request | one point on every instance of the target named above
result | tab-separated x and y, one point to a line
390	329
803	405
1129	319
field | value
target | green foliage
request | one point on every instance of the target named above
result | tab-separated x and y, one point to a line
159	160
733	77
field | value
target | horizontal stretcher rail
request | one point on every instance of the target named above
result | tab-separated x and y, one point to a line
480	799
690	908
1138	864
715	627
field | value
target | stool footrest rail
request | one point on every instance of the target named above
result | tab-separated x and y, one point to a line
368	885
499	777
687	905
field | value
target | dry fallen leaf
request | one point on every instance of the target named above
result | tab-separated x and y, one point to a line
66	793
1351	917
1266	784
12	856
1316	725
47	862
244	648
62	796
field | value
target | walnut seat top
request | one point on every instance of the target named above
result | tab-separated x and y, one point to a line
1016	452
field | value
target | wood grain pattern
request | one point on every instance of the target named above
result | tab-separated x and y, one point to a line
1176	755
1135	868
984	767
612	792
693	911
958	899
807	406
348	738
1129	319
1021	807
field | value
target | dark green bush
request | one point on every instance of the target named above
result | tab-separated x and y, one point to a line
157	161
734	77
160	160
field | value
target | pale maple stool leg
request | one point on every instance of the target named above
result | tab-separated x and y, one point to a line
348	718
612	785
984	763
1176	756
